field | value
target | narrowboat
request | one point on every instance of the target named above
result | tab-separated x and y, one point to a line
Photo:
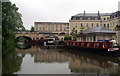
105	48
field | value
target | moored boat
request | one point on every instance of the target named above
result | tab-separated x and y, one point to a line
105	48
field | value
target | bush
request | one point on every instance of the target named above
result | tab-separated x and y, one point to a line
67	38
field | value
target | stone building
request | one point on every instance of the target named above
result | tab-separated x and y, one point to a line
52	27
85	20
96	34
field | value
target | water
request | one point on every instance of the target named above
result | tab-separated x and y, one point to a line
41	60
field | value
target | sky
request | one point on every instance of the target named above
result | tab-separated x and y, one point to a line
60	10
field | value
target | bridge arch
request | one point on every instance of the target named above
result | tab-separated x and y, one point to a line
26	37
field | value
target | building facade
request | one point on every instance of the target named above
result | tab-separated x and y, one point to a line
84	21
97	34
52	27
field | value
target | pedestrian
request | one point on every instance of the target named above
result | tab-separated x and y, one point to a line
114	43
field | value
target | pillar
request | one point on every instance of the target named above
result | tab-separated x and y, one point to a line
118	37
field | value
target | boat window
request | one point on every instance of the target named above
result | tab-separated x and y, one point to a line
73	44
78	44
82	44
67	43
88	45
104	45
96	45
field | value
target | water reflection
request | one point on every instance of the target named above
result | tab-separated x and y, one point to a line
11	61
81	62
41	60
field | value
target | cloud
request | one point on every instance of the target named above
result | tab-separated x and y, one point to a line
60	10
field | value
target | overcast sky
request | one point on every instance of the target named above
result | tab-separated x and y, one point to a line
60	10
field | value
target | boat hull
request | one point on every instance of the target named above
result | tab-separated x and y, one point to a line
96	50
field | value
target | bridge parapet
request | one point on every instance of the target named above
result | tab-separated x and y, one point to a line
25	32
37	35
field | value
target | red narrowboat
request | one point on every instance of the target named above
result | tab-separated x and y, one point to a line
97	47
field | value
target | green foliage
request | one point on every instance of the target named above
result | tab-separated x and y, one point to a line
32	29
81	29
11	62
72	32
11	22
67	38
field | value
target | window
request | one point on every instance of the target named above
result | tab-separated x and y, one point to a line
96	18
107	25
56	27
97	24
60	27
96	45
92	24
81	18
43	27
105	45
88	18
81	24
82	44
76	25
78	44
52	27
104	18
88	45
86	24
104	25
73	44
48	27
65	27
113	23
74	18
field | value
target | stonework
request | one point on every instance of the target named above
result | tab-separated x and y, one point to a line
84	21
52	27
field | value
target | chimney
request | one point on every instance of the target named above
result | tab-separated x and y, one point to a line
84	13
119	6
98	13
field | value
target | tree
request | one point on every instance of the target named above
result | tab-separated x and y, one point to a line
11	22
73	34
32	29
67	38
81	29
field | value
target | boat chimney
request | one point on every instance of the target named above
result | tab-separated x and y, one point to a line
98	13
84	13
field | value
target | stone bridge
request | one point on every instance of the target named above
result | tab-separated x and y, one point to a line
36	35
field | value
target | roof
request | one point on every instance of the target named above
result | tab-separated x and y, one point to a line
93	14
99	30
51	23
115	14
90	16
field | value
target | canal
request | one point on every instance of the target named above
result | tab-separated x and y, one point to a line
35	59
